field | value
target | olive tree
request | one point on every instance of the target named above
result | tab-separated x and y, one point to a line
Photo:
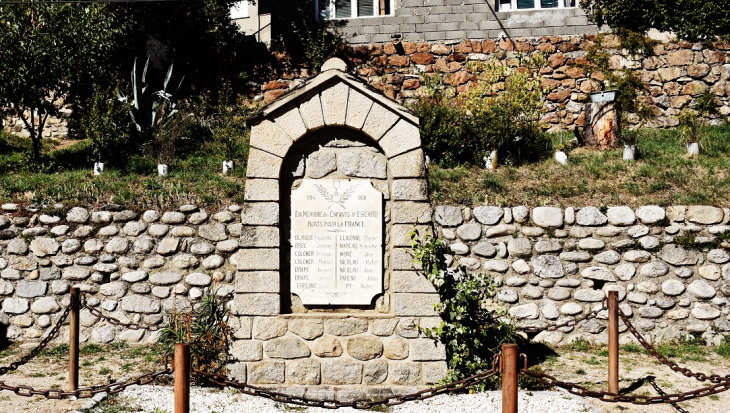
688	19
47	51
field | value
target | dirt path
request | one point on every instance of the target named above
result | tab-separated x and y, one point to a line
586	366
637	371
99	365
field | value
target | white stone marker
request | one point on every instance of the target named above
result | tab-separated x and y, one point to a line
336	242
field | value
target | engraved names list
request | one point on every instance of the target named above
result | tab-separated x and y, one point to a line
336	242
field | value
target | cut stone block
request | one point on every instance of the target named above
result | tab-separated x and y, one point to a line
258	259
378	122
311	111
334	104
263	165
408	165
403	137
358	108
257	304
261	190
292	124
269	137
415	304
257	282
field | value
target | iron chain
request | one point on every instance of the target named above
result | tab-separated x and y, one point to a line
43	344
713	378
85	392
583	391
361	404
570	323
115	321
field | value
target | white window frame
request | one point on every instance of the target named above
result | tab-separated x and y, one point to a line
240	10
329	12
513	6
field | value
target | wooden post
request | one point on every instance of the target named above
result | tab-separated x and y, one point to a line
613	342
509	378
182	378
73	339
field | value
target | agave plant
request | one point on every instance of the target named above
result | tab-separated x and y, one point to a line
151	111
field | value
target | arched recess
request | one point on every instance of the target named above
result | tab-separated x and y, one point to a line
292	128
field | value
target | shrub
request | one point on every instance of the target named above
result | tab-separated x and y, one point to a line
205	328
106	123
472	328
500	111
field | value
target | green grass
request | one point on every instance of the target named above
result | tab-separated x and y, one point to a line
64	175
59	350
91	349
663	175
105	370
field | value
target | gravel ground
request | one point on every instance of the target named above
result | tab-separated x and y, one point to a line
149	398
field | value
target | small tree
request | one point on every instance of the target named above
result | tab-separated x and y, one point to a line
46	50
687	19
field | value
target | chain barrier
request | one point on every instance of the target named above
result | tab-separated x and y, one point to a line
713	378
360	404
115	321
42	345
583	391
86	392
570	323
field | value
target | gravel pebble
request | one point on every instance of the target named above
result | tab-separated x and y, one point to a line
149	398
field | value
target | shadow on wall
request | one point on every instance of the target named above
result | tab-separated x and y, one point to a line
4	342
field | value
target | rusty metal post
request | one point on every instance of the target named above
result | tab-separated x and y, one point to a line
182	378
510	371
73	339
613	342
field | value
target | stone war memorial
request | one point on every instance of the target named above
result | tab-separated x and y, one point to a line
326	295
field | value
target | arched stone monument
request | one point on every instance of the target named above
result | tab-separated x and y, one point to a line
326	294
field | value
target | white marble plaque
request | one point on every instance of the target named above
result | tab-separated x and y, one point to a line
336	242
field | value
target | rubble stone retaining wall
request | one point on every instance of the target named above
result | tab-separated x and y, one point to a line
551	264
675	76
669	266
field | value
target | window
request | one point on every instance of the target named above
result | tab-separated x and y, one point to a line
351	9
240	10
507	5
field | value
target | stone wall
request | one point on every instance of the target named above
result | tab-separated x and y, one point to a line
675	76
553	264
133	266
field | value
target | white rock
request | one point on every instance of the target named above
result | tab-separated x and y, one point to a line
590	217
520	214
529	311
548	266
650	214
709	272
701	289
508	296
571	309
598	274
488	215
654	269
550	311
621	216
672	287
521	267
496	266
705	312
547	217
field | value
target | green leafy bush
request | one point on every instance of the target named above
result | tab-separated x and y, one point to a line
472	327
105	122
500	111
